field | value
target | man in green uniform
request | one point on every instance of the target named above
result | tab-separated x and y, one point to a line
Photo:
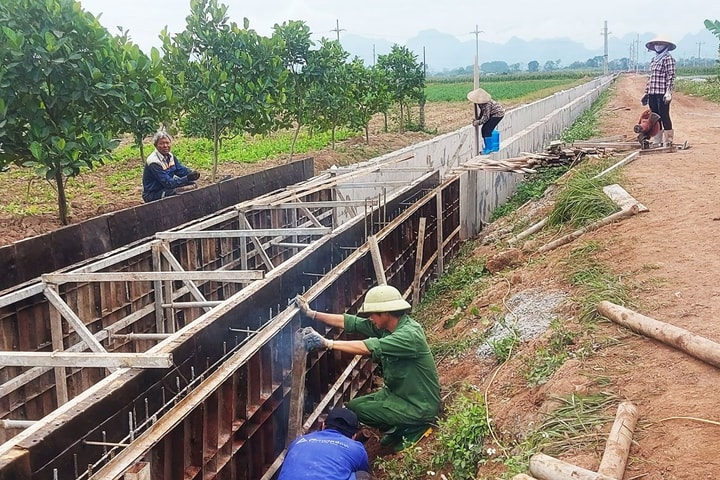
410	398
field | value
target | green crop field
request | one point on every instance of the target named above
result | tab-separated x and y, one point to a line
499	90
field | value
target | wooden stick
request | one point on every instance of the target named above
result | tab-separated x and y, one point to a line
618	444
418	261
297	392
593	226
526	233
697	346
377	260
545	467
522	476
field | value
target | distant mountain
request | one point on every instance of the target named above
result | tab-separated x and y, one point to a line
443	51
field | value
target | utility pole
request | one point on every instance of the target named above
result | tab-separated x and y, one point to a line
476	73
605	57
337	29
699	44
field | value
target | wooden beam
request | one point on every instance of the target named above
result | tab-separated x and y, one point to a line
318	204
545	467
617	447
58	345
258	246
260	232
74	321
83	359
177	267
297	388
418	261
377	260
215	276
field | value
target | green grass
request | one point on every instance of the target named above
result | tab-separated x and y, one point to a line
500	91
581	200
547	359
710	90
531	188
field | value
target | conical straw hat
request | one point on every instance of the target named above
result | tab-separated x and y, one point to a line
660	41
478	96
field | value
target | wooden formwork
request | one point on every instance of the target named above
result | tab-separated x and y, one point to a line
224	402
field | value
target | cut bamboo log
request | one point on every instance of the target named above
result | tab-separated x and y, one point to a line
545	467
622	198
522	476
679	338
622	214
618	443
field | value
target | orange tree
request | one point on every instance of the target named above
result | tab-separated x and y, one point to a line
58	90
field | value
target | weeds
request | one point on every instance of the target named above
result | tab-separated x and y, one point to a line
582	201
532	188
549	358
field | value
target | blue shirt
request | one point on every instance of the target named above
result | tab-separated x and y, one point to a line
325	454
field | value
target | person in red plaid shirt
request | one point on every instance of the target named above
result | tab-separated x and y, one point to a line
659	88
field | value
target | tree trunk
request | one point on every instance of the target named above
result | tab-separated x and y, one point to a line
618	443
62	197
216	147
545	467
294	141
699	347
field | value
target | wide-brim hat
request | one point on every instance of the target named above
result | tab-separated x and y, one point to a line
479	96
383	298
343	420
660	41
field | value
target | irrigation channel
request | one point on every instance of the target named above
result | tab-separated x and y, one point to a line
176	357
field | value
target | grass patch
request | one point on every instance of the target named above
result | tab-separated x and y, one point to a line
547	359
532	188
709	90
457	447
582	201
586	126
576	424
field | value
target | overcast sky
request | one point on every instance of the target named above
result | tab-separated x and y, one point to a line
396	21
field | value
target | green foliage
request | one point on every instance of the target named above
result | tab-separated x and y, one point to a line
461	436
547	359
577	423
230	79
585	126
461	273
709	89
503	347
410	465
148	95
405	78
713	27
59	89
501	91
582	201
531	188
595	282
456	346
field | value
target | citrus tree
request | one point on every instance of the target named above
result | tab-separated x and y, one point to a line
58	90
149	97
405	77
230	79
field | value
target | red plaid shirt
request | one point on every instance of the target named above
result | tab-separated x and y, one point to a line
662	75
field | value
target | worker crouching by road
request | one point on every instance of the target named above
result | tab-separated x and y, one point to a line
488	113
409	400
330	453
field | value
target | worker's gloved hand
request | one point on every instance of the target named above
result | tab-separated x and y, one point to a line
304	306
644	99
667	97
314	341
193	175
476	123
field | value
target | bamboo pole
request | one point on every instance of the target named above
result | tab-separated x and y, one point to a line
593	226
618	444
418	261
545	467
695	345
526	233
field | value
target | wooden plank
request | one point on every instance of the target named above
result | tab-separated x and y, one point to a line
652	151
418	260
377	260
84	359
74	321
56	332
216	276
259	232
297	388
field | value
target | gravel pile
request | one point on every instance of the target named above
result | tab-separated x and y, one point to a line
530	314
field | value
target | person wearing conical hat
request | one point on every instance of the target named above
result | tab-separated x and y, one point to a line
660	86
488	114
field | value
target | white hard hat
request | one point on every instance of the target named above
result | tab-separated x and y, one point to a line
383	298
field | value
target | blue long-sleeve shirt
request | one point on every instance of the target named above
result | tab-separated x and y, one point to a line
163	173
